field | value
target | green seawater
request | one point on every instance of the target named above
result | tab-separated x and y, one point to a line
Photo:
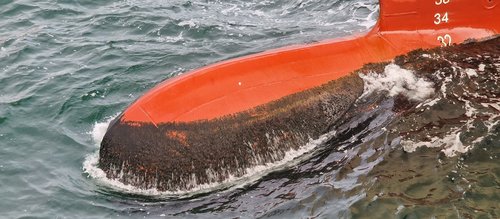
67	67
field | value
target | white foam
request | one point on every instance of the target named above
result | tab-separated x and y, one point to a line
171	39
432	102
429	102
90	166
451	144
190	23
99	129
471	72
395	80
481	67
372	18
446	81
470	111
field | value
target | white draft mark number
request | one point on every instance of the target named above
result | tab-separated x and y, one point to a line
445	40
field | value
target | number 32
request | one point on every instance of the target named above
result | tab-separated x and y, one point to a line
445	40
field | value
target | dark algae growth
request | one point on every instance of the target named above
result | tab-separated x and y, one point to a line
178	156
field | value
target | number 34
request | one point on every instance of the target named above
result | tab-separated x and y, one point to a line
439	18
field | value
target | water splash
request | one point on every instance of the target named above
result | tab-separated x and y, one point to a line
395	81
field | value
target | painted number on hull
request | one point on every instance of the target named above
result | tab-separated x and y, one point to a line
440	2
440	18
445	40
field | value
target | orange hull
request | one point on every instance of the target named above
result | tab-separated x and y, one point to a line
240	84
212	124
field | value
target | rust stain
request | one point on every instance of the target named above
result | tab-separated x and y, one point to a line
179	136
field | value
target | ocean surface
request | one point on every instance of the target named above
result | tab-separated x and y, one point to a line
68	67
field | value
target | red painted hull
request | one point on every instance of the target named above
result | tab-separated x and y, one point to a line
240	84
212	124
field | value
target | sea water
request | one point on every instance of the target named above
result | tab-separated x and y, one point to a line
68	67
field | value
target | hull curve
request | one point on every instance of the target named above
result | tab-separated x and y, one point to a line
210	124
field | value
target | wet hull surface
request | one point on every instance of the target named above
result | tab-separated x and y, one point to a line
215	124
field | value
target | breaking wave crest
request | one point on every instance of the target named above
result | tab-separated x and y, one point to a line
397	81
